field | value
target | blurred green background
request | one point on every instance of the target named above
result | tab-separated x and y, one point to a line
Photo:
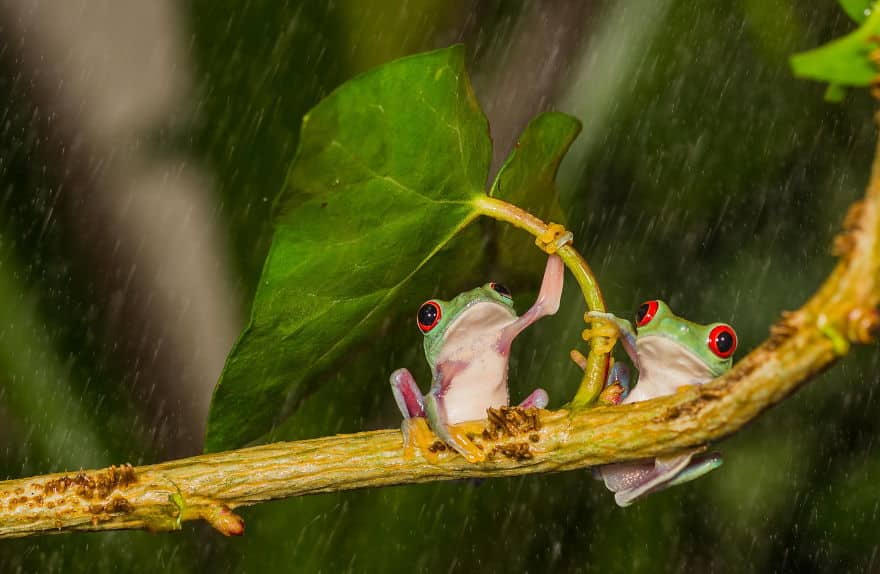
130	244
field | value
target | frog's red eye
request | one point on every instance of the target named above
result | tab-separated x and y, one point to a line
501	290
429	316
646	312
722	341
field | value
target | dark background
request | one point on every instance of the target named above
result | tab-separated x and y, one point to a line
143	143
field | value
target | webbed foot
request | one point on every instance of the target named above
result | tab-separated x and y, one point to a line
417	435
554	238
602	327
457	437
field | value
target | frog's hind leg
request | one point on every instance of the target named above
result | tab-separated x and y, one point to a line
632	480
453	435
700	465
539	399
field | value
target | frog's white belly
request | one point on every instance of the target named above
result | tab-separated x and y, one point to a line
472	347
664	366
481	385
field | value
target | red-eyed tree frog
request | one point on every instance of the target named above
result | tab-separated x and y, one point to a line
669	352
467	344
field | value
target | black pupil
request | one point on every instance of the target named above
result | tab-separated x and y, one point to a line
427	315
501	289
724	341
643	310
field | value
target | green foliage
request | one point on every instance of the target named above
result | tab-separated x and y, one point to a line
845	61
383	178
527	179
858	10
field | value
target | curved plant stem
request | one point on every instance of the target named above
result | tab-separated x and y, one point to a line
160	497
597	362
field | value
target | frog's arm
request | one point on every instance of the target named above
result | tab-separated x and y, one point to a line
407	394
546	304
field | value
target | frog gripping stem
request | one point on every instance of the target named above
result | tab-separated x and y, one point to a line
551	240
546	304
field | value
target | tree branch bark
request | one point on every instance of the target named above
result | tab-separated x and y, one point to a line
160	497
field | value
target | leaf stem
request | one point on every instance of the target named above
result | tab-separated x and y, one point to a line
597	363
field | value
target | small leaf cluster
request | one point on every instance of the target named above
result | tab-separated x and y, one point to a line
850	61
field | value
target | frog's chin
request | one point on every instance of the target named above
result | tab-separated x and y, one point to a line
664	366
480	320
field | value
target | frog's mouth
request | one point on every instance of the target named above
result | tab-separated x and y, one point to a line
666	361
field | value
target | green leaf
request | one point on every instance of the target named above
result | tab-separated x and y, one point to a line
385	175
844	61
527	179
835	93
858	10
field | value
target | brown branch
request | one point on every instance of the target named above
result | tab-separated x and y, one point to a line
162	496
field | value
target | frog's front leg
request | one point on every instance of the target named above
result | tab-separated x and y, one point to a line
414	427
609	325
554	238
547	303
407	394
610	328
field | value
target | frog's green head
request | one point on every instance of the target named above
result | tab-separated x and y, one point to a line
712	344
485	307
